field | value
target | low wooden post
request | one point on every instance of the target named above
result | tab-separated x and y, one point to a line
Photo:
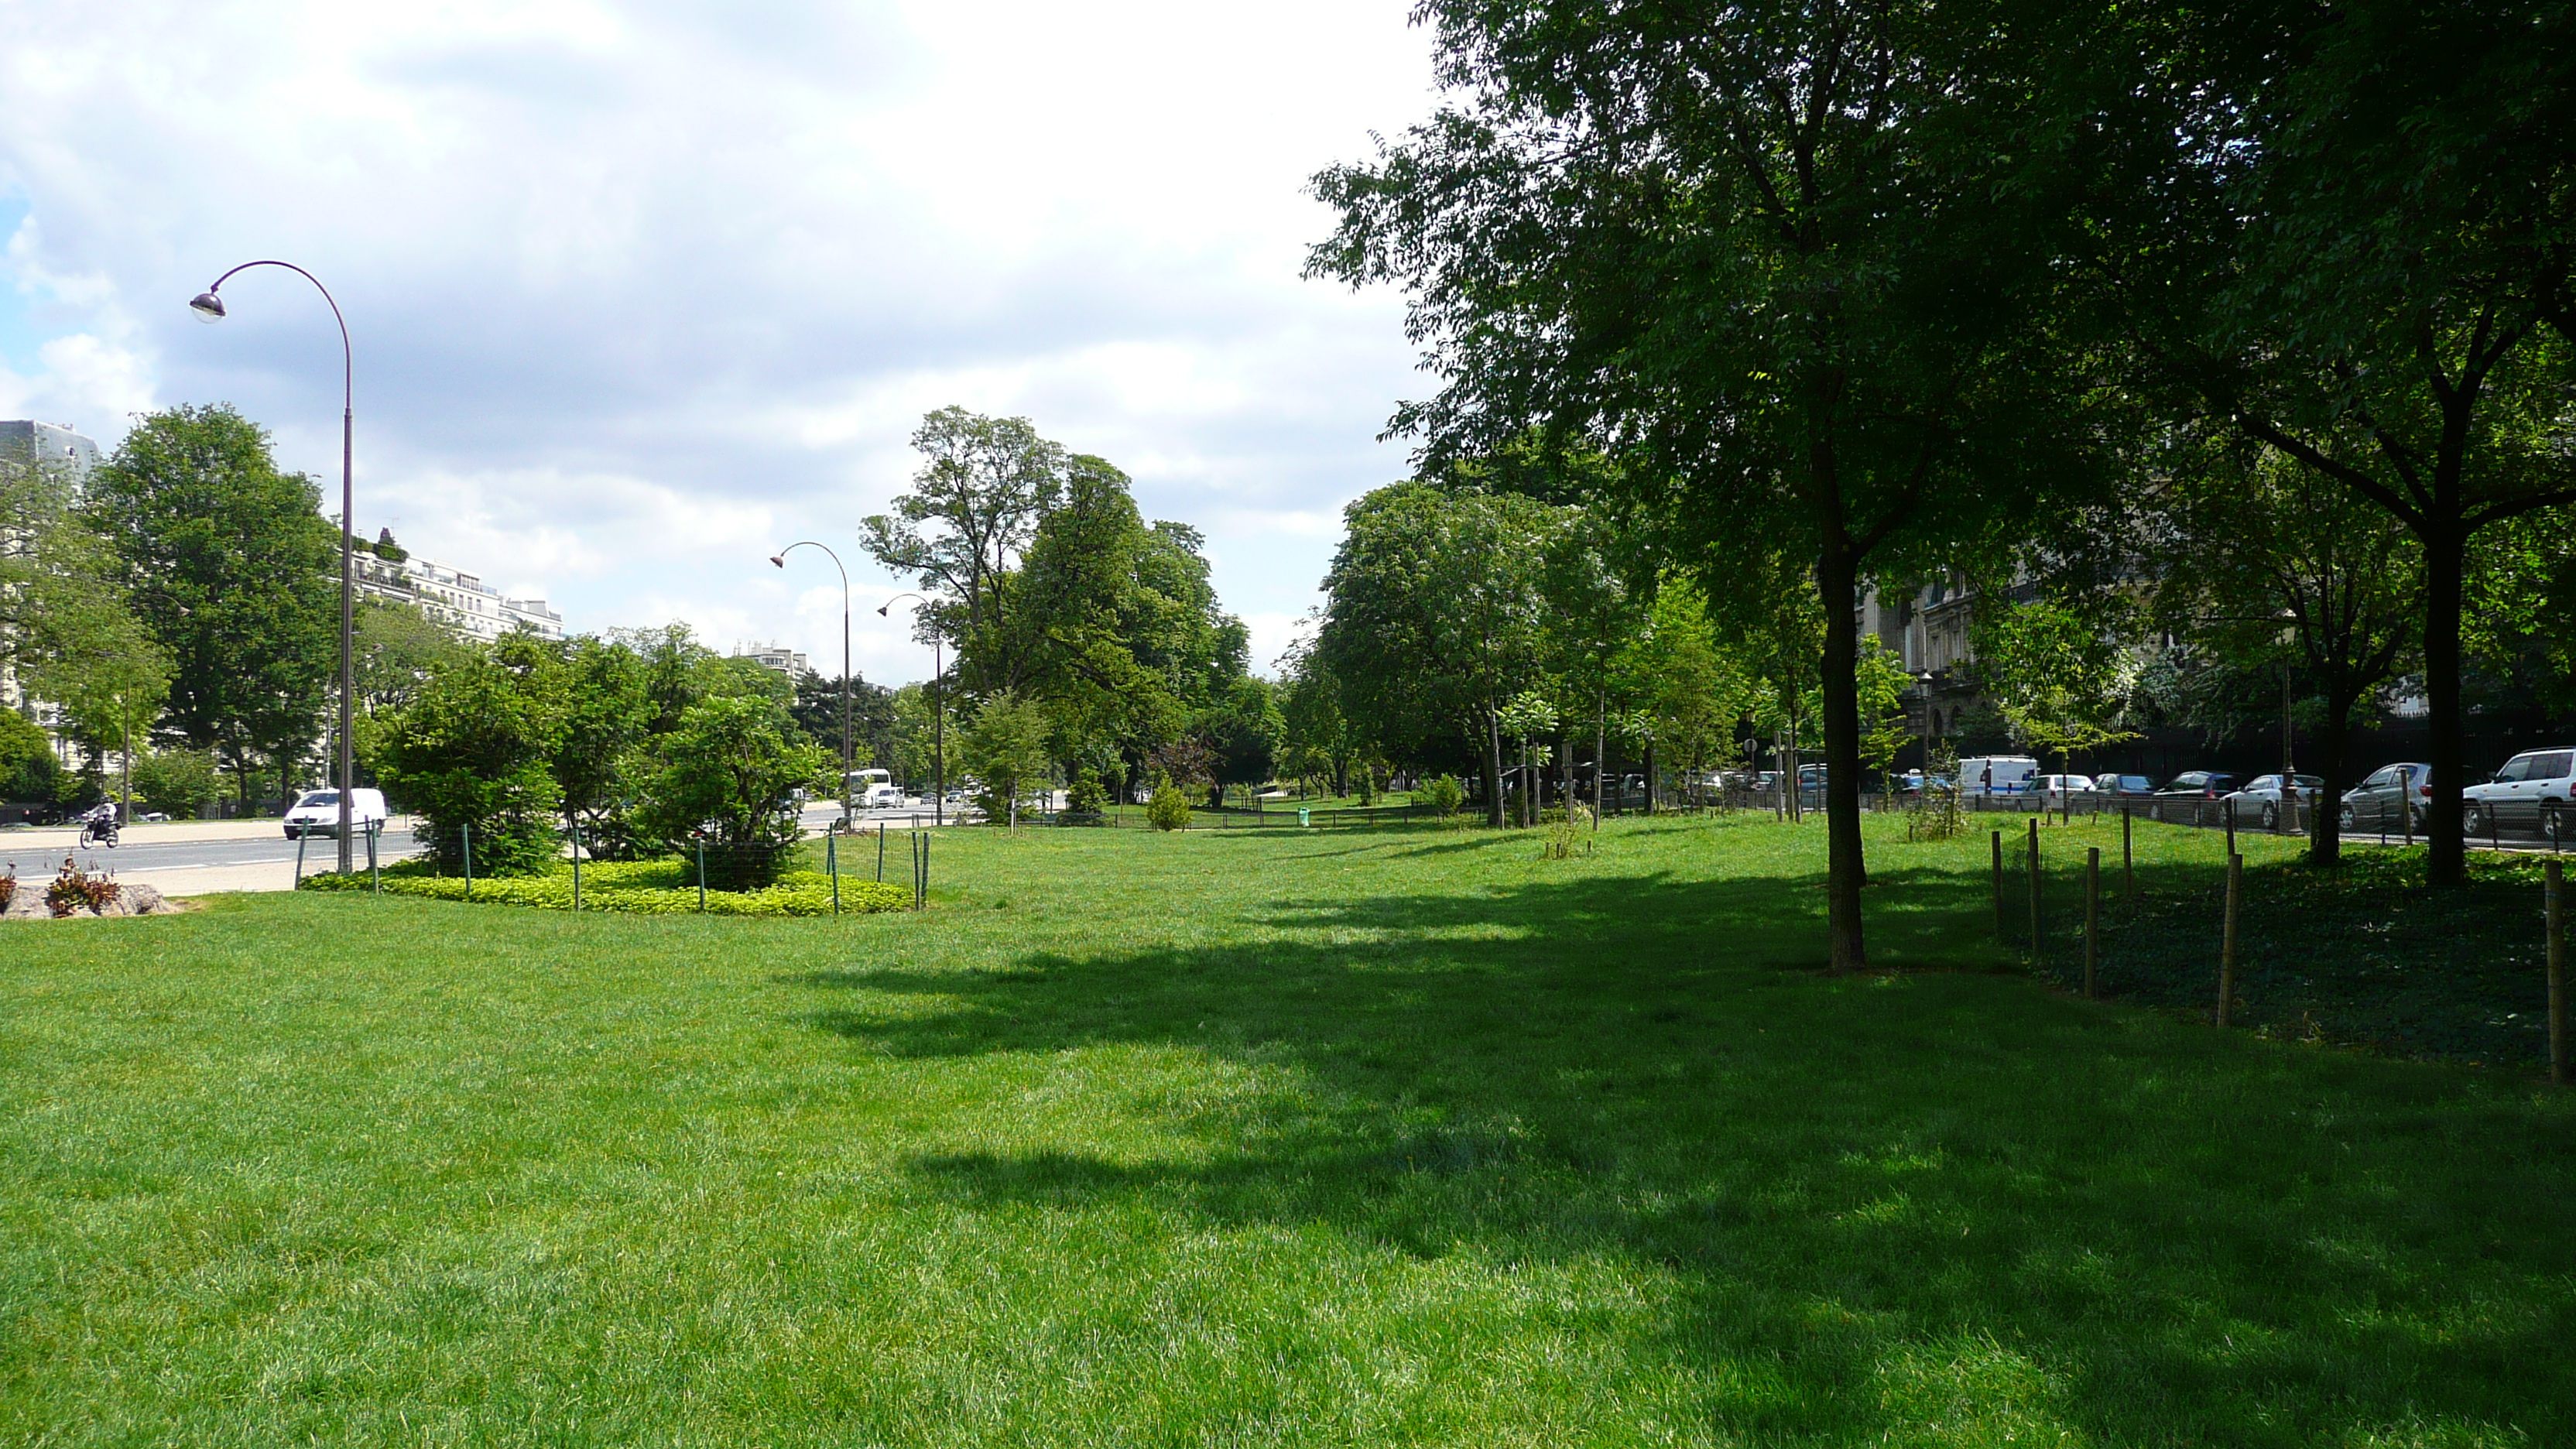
2034	891
2557	895
881	830
300	837
2227	936
1999	884
375	876
2128	859
2092	919
832	863
576	868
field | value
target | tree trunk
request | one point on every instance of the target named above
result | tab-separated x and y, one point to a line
1836	580
1600	759
1491	757
2325	833
1650	777
2446	856
1565	772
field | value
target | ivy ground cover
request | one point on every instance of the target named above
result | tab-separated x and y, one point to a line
1362	1137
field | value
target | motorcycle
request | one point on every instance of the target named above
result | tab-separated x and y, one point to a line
98	830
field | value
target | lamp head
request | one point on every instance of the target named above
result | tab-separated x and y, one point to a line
881	610
779	559
207	306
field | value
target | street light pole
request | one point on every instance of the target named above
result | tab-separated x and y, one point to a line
849	816
1925	679
938	720
209	307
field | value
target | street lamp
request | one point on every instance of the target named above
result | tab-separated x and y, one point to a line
209	307
938	745
1924	678
849	815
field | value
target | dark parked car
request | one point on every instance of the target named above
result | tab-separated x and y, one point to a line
2200	785
2119	785
2374	804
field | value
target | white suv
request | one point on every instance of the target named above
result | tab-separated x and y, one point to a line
2531	791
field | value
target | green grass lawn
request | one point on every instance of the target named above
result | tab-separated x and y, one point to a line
1235	1137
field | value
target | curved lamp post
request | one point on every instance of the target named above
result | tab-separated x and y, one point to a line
209	307
938	746
849	815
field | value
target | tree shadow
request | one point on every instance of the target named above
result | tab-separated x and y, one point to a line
1882	1187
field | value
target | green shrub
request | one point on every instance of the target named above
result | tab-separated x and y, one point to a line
1168	808
1443	794
177	782
1086	795
733	765
470	755
644	887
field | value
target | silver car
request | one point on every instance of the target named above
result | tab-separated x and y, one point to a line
2261	798
2531	792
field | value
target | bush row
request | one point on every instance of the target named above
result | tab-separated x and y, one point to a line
649	887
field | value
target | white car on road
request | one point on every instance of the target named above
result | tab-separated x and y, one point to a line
317	812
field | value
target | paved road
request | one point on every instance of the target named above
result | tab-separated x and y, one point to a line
197	857
194	857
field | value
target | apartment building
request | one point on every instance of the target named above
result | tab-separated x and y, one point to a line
458	601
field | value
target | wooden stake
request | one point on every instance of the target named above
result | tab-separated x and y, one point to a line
1999	885
2227	937
2034	890
2557	895
2092	919
2128	860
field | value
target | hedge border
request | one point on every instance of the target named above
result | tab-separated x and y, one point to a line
798	893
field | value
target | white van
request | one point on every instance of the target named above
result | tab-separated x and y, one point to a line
1997	775
318	813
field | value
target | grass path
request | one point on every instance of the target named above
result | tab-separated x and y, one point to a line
1360	1137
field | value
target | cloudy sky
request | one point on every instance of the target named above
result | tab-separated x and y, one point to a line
640	291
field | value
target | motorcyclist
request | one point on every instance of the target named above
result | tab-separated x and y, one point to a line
99	826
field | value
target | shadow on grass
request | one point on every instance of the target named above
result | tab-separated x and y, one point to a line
1907	1190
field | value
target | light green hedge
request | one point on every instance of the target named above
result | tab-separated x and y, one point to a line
644	887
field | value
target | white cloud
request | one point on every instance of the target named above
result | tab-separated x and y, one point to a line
639	291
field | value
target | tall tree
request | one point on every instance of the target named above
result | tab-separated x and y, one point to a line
2351	231
983	485
67	625
1789	261
2267	559
1433	616
229	564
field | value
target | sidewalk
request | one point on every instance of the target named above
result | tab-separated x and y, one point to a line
176	881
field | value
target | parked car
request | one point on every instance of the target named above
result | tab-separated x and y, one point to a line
2261	797
2118	786
2199	785
1997	774
2375	803
2532	791
2059	791
317	812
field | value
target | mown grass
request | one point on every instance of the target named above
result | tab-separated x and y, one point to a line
1350	1137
